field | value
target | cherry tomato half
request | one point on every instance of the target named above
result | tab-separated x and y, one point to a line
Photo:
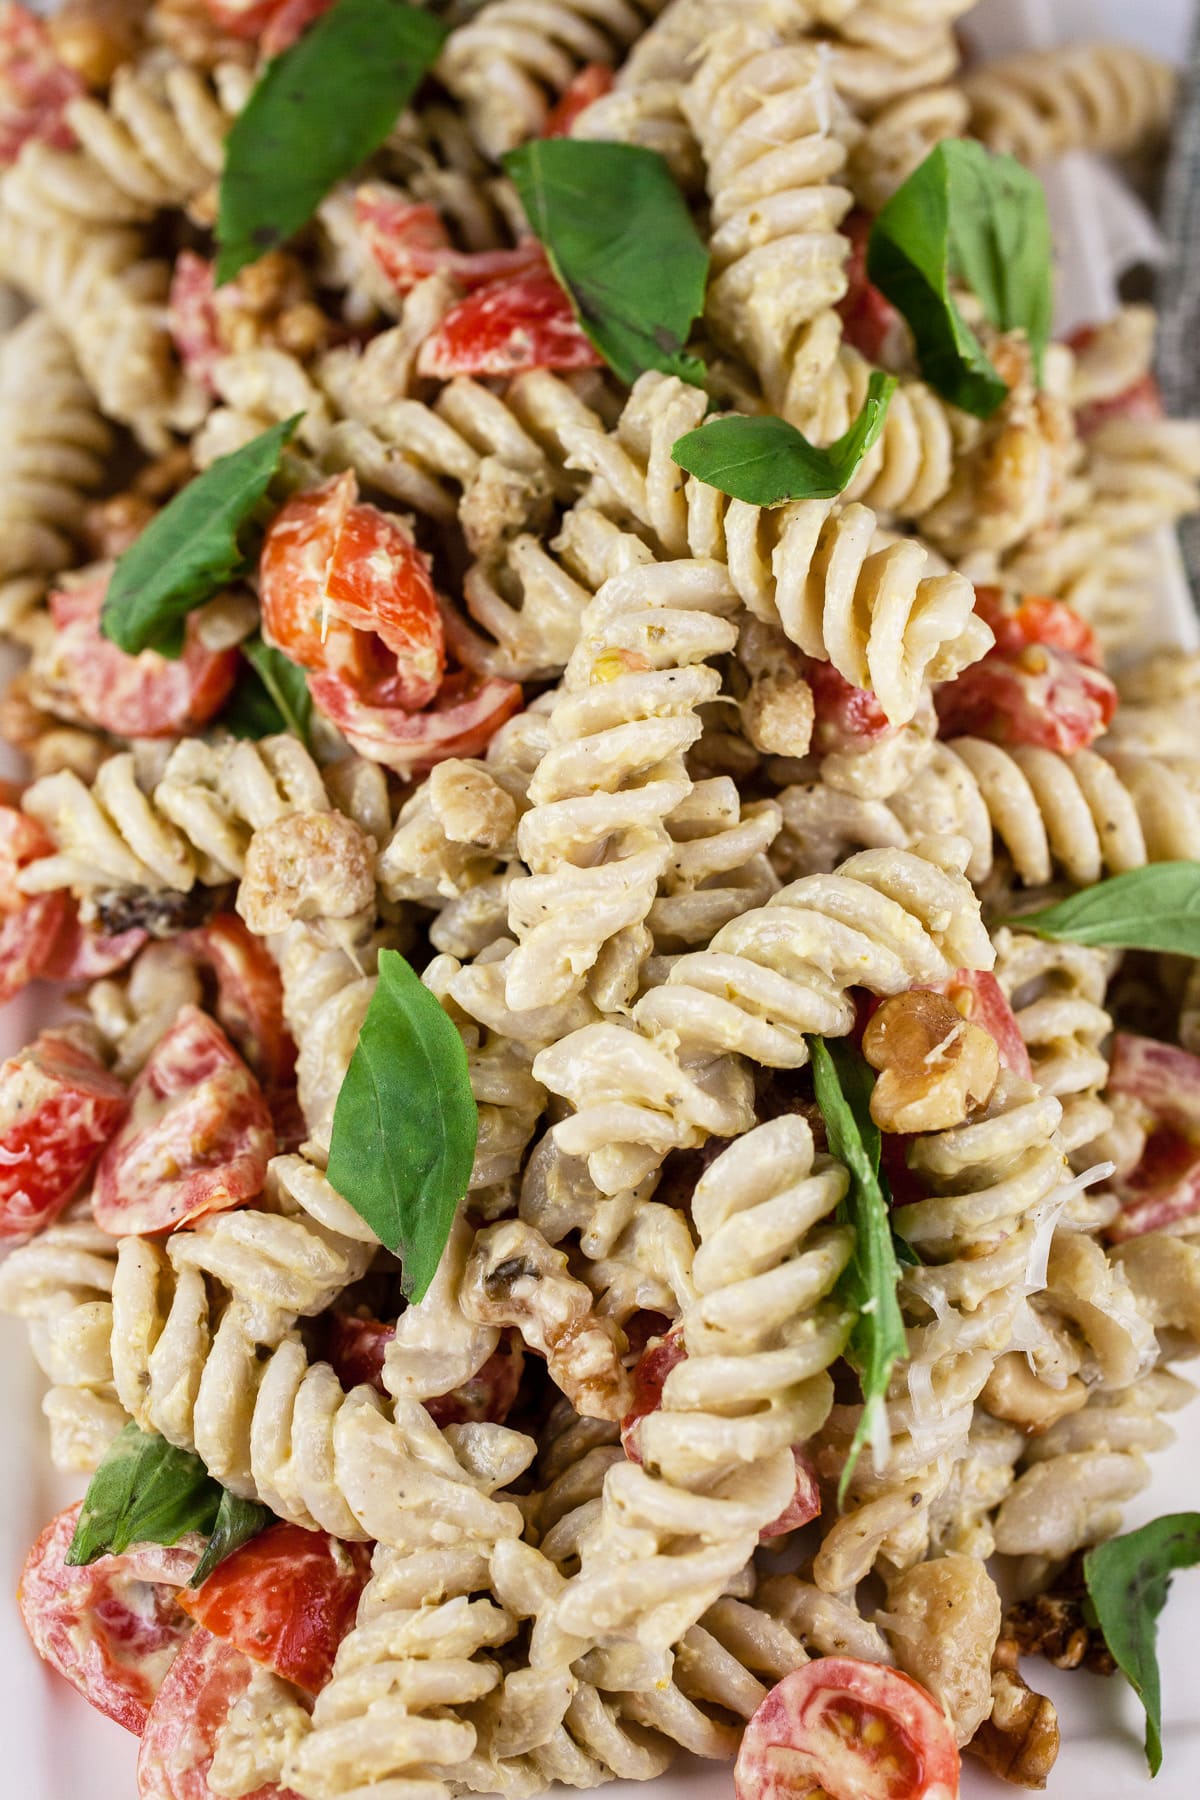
1035	619
81	954
35	87
201	1688
29	928
524	322
1163	1189
112	1628
1163	1078
468	710
249	996
410	243
869	320
1043	697
58	1108
843	716
850	1730
592	82
198	1137
286	1599
356	1347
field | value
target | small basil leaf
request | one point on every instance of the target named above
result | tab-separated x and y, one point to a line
843	1083
979	219
190	550
1128	1580
319	110
285	683
144	1492
237	1521
766	460
1155	908
250	711
405	1124
622	243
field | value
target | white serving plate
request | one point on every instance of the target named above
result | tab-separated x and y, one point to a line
55	1747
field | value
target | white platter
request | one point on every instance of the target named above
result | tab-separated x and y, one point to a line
55	1747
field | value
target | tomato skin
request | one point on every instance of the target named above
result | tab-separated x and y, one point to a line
468	710
869	320
134	696
1162	1077
978	996
35	87
804	1505
81	954
379	581
1042	697
410	243
286	1599
1164	1188
296	555
27	940
843	716
249	996
290	21
798	1740
592	82
112	1628
58	1108
192	316
357	1346
524	322
203	1684
1142	399
1036	619
242	18
197	1140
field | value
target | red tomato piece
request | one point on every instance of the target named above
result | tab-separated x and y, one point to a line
850	1730
112	1628
286	1599
844	717
410	243
29	928
1042	697
592	82
1164	1078
379	581
290	21
192	316
1162	1190
249	995
293	568
525	322
81	954
356	1347
467	711
198	1137
201	1688
58	1108
134	696
242	18
1142	399
1035	619
869	320
35	87
804	1505
979	997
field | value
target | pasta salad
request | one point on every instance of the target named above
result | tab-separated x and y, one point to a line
616	1170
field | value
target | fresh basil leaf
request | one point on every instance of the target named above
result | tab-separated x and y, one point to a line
237	1521
250	711
843	1083
285	684
319	110
144	1492
1128	1580
405	1123
766	460
622	242
190	550
966	215
1155	908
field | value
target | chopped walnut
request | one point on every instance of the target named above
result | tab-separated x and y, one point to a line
1053	1625
1019	1742
1014	1393
933	1064
270	305
777	713
310	865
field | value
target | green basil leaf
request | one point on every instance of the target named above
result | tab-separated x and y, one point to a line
966	215
285	685
144	1492
1128	1580
250	711
237	1521
843	1083
405	1123
766	460
1155	908
319	110
622	242
190	550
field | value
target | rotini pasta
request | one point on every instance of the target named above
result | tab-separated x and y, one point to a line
1107	97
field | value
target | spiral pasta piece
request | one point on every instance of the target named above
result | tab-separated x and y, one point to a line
884	920
1057	994
1110	98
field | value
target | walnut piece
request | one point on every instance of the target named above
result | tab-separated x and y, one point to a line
1053	1625
312	865
933	1064
1014	1393
1020	1740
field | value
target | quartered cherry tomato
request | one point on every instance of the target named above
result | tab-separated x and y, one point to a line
200	1690
1016	623
286	1599
979	997
851	1731
35	87
592	82
410	243
1042	696
869	321
29	928
113	1627
356	1347
345	592
468	710
134	696
58	1108
249	995
197	1140
523	322
844	717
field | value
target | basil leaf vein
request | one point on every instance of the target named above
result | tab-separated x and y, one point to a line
843	1083
966	215
766	460
190	550
1155	908
1128	1580
146	1491
621	241
319	110
405	1123
270	695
